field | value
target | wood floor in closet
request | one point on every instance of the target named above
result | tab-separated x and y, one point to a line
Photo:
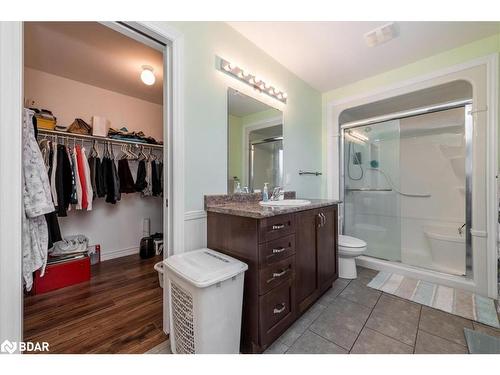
118	311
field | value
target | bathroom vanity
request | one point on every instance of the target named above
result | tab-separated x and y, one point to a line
291	254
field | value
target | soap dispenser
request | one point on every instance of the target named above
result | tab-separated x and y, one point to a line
237	188
265	192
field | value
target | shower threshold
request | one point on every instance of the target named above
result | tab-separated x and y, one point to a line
454	281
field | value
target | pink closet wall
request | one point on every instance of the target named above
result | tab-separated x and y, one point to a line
69	99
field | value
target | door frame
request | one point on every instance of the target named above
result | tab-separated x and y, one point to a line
11	105
333	108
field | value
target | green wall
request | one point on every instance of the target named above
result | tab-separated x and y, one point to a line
442	60
206	111
235	147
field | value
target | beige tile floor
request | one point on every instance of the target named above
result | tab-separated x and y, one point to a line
353	318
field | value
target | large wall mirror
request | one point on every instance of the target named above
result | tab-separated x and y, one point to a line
255	144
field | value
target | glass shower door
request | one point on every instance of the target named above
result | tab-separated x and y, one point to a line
407	189
371	169
266	163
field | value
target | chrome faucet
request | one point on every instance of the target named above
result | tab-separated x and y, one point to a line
461	229
278	194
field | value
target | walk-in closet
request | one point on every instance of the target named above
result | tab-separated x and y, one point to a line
95	187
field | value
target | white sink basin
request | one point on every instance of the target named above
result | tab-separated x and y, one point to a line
286	203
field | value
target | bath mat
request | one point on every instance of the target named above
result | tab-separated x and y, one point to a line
481	343
454	301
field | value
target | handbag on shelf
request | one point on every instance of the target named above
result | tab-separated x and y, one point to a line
80	127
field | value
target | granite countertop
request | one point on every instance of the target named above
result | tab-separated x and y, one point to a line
253	209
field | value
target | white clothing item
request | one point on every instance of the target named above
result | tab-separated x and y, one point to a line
77	181
70	245
53	174
88	182
148	190
37	201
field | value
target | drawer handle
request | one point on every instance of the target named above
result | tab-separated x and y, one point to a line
278	226
279	250
279	310
277	275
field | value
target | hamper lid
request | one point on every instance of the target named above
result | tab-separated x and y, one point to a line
204	267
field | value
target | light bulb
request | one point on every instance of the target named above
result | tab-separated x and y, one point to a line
147	75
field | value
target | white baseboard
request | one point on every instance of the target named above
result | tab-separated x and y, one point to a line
117	253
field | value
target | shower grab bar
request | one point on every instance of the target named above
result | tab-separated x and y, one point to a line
301	173
368	189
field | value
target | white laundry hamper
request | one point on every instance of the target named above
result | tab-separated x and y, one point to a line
206	297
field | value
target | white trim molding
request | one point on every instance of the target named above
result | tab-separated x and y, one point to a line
333	108
118	253
195	215
196	229
11	106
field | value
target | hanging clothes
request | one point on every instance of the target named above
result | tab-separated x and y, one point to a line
140	181
116	181
109	179
88	182
127	184
155	178
74	190
92	160
37	201
99	178
78	183
63	181
53	169
148	190
81	174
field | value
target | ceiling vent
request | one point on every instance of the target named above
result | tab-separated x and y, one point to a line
381	34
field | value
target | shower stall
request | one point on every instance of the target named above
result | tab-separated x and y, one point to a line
406	186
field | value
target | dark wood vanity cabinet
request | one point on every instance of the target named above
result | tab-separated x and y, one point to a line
292	260
316	262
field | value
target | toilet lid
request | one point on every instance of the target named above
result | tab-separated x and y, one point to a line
348	241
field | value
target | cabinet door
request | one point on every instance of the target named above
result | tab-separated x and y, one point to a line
327	247
305	258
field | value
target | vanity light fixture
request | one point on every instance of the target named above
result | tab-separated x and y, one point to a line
250	79
147	75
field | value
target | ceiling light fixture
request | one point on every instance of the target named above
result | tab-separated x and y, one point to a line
147	75
250	79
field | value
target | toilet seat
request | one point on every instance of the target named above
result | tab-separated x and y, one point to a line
350	242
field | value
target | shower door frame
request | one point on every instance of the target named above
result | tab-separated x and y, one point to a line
251	151
468	125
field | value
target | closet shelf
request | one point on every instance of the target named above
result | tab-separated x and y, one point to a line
55	133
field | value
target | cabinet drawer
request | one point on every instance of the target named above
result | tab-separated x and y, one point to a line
275	227
277	311
275	274
274	251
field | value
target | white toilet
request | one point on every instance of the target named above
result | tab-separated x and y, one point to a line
349	249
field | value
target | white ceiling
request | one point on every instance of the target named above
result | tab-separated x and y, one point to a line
94	54
329	55
241	105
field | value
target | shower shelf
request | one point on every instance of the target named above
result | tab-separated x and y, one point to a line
368	189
